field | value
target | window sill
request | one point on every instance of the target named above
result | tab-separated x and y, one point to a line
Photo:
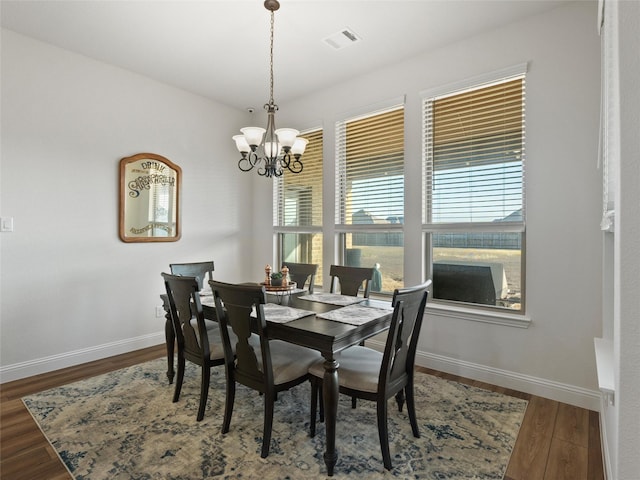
604	366
496	318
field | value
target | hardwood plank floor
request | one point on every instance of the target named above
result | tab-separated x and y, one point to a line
531	452
556	441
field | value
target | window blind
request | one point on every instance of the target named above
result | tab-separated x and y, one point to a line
370	169
299	196
474	150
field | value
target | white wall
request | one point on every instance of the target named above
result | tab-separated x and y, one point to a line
621	421
71	291
628	334
554	357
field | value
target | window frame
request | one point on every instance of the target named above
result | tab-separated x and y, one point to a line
474	311
341	227
279	194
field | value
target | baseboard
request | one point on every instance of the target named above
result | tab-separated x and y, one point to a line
604	443
570	394
55	362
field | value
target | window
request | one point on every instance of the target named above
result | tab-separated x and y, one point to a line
370	195
160	207
298	218
474	209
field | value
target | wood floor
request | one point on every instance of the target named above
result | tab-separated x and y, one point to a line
556	441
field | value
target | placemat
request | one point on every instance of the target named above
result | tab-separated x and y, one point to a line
354	314
332	298
281	313
207	300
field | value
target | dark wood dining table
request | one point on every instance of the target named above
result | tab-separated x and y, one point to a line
326	336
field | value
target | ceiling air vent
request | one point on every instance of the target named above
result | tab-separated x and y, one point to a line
341	39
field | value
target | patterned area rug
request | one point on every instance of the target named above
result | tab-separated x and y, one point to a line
123	425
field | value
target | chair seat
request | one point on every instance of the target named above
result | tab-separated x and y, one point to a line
215	343
359	368
209	324
290	361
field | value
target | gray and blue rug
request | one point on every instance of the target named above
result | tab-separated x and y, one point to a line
123	425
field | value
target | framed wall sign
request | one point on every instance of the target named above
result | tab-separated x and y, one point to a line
149	199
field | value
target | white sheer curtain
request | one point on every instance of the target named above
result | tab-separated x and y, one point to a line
609	151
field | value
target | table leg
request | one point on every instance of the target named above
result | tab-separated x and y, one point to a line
330	394
170	338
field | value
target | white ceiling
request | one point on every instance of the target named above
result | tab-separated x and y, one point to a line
220	48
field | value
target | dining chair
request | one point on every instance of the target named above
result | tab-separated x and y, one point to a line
200	270
198	342
351	280
371	375
203	271
301	272
269	366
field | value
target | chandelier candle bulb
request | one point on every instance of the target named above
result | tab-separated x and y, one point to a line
271	149
253	135
287	137
241	144
298	147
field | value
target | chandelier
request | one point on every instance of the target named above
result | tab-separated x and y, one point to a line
271	150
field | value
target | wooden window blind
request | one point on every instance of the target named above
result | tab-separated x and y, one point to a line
474	150
299	196
370	169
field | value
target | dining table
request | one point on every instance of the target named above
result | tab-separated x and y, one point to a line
326	322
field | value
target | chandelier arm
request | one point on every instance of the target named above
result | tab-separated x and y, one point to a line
268	168
277	169
285	160
243	160
295	166
270	171
250	159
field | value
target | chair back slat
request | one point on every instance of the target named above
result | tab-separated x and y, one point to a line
351	280
234	306
301	273
187	315
200	270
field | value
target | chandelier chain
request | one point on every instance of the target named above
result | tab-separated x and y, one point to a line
271	61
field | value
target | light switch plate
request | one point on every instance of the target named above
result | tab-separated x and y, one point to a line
6	224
